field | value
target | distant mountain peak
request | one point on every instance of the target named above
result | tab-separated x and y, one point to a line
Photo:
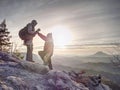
100	53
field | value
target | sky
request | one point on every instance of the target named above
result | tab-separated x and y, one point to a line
89	21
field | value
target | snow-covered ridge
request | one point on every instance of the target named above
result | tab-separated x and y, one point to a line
16	74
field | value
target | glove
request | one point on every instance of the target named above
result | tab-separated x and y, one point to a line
38	30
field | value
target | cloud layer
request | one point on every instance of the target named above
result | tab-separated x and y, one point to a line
91	21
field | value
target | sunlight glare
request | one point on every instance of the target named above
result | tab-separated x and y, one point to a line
61	35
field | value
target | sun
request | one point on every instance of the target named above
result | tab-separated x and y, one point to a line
62	35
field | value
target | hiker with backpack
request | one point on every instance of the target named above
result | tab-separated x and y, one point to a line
47	52
27	34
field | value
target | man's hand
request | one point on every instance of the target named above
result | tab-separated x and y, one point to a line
38	30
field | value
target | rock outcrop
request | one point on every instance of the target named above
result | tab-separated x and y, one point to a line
16	74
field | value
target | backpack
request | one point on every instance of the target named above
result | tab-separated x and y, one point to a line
24	35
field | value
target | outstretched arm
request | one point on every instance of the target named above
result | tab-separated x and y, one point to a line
42	36
30	29
36	31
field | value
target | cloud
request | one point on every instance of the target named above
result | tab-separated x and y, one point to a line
89	20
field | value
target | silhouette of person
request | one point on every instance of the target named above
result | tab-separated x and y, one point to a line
27	34
47	52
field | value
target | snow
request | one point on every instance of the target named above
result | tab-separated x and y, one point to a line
26	75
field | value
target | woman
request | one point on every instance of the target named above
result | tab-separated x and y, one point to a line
47	52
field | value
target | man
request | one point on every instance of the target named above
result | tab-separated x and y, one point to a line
27	34
47	52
